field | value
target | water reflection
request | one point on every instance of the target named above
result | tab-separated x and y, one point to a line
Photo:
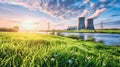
108	39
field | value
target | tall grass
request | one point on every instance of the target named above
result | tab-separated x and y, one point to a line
112	31
38	50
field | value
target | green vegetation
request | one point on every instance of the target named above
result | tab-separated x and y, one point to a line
74	37
117	31
14	29
38	50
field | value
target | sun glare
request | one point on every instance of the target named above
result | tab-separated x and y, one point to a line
28	25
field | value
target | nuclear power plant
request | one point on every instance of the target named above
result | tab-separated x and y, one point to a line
86	24
89	24
81	24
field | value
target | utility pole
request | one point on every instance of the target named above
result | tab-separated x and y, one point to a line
101	24
48	26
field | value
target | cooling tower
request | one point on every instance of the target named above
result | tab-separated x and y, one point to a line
89	24
81	23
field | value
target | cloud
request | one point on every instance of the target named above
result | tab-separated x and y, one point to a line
115	15
86	1
116	22
67	9
112	24
8	20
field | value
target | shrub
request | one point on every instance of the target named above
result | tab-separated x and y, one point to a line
91	39
74	36
52	32
101	41
59	34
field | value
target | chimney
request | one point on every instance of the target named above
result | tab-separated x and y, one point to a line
90	25
81	23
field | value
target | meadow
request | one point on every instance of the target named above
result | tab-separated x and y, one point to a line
111	31
41	50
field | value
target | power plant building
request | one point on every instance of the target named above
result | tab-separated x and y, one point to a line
72	28
89	24
81	23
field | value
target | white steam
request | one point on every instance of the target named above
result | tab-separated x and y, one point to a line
84	13
98	12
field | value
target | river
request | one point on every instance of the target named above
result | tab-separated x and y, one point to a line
108	39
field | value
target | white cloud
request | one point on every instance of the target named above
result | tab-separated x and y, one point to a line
86	1
65	9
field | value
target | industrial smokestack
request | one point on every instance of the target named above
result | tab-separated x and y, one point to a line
90	25
81	23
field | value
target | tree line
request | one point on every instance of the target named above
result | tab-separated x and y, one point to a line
14	29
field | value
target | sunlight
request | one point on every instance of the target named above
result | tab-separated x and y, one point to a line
28	25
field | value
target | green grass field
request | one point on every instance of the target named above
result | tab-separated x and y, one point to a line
40	50
114	31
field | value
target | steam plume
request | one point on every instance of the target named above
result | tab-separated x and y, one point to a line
98	12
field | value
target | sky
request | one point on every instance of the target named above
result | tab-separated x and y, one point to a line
36	14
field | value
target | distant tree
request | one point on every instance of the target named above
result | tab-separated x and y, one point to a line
52	32
16	28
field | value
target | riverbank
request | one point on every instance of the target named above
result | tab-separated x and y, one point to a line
115	31
30	50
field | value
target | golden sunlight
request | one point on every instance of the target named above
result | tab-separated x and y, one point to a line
28	25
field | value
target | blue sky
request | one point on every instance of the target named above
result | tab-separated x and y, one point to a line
59	13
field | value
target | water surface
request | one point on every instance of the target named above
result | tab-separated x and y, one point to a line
108	39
